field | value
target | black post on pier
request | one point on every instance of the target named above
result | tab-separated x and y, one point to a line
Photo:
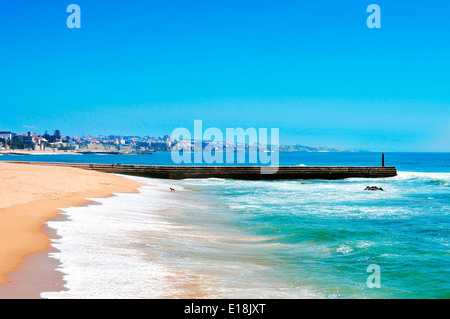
382	160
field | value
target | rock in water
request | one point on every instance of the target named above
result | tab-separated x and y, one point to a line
373	188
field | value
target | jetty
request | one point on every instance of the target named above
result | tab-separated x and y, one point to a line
233	172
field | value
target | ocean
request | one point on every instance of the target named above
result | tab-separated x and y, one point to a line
219	238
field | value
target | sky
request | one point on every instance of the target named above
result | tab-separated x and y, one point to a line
313	69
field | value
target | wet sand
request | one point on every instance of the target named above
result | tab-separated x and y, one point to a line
30	196
37	273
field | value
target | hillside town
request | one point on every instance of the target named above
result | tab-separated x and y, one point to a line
30	143
56	142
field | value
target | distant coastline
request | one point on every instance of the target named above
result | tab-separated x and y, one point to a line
68	152
78	152
32	143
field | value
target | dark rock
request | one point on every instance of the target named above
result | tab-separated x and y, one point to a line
373	188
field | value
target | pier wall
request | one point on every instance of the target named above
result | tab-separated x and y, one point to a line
234	172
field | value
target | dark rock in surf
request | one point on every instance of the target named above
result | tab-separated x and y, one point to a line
373	188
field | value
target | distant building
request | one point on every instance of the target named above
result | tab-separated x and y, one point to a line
28	139
126	148
6	135
74	145
40	144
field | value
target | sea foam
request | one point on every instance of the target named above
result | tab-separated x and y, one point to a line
161	244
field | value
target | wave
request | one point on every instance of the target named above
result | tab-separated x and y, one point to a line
438	179
251	239
158	244
441	182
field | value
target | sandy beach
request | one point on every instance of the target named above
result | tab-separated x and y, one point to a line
29	197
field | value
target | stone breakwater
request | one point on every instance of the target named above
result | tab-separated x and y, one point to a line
235	172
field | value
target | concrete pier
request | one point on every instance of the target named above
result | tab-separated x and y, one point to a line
235	172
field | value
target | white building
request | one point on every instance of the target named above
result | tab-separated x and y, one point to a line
6	135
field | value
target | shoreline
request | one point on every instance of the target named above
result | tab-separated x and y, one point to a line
37	273
32	197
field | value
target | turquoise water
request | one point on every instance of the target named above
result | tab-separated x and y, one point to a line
279	239
326	233
414	162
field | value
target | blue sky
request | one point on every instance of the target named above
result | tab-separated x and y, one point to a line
313	69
